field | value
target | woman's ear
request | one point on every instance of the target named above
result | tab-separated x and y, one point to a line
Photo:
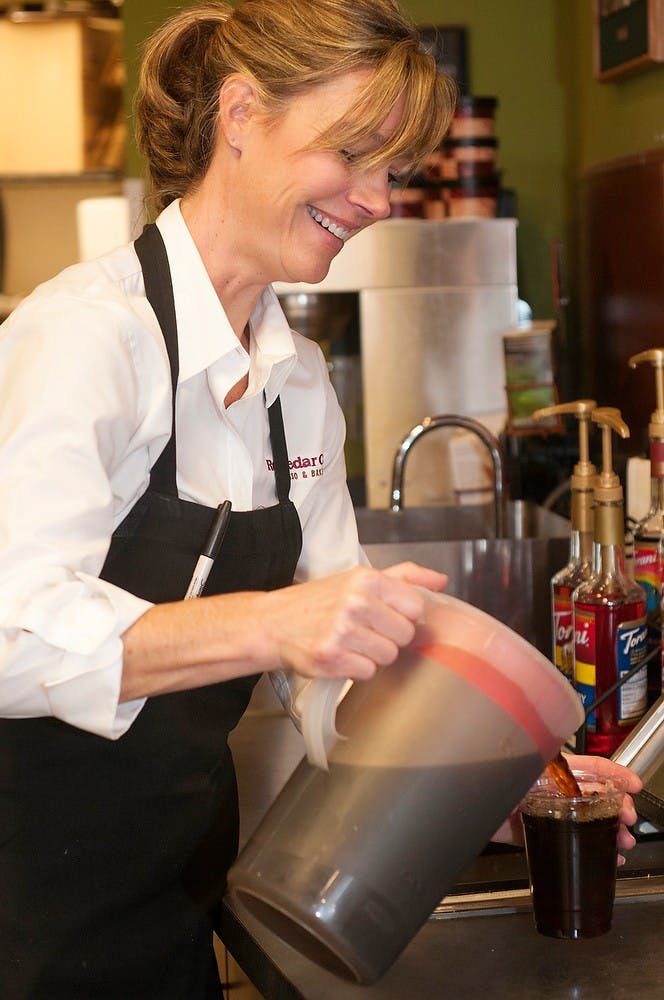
238	105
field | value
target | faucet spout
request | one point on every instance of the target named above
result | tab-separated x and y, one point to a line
466	423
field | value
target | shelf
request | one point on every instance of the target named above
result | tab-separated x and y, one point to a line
85	177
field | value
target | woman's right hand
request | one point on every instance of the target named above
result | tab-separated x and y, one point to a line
339	626
347	624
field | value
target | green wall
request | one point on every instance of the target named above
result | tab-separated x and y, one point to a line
513	55
139	20
554	119
614	118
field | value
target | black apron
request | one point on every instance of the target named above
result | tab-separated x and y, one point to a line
113	854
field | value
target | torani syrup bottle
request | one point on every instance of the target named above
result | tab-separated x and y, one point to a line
609	611
579	566
649	533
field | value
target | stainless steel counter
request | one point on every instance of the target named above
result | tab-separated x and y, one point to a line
482	943
493	957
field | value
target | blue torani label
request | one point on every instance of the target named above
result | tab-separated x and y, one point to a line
631	648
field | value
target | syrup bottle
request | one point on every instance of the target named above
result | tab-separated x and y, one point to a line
579	566
649	533
609	613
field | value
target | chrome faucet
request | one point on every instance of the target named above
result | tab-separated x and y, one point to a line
466	423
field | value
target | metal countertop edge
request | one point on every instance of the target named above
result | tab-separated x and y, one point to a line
628	890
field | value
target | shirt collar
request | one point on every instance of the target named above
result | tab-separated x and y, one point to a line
204	333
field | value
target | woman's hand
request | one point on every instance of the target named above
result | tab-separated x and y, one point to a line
511	831
348	624
340	626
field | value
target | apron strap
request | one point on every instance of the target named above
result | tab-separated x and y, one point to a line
159	291
279	450
153	258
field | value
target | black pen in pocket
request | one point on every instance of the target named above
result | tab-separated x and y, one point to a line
209	551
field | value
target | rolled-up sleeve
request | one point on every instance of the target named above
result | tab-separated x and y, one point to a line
73	447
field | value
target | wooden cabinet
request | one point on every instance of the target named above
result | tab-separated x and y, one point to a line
61	96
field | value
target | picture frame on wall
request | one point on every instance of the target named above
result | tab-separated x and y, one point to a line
628	37
448	44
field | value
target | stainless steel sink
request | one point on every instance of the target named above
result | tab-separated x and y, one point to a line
434	524
508	578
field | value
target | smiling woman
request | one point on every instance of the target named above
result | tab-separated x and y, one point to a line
141	391
288	222
281	126
285	48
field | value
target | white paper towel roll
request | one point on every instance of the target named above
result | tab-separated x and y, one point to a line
102	225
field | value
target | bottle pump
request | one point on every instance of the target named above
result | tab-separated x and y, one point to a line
609	614
579	566
649	533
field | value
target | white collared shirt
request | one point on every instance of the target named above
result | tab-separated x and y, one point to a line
85	410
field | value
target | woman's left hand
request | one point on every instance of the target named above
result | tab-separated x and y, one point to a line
511	831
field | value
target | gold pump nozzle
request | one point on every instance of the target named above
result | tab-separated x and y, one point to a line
582	410
583	477
607	485
654	357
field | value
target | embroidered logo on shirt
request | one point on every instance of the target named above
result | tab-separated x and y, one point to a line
302	467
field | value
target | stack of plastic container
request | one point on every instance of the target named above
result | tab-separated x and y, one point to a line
461	177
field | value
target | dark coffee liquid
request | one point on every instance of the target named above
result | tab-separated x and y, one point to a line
561	773
572	864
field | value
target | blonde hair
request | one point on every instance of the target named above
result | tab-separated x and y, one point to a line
284	47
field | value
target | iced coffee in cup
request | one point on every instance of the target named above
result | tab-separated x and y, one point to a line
571	847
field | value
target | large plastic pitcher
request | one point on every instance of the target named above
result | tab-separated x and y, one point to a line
439	748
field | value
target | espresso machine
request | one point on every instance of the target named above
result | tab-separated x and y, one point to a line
433	301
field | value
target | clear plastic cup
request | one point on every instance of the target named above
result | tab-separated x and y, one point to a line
572	854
